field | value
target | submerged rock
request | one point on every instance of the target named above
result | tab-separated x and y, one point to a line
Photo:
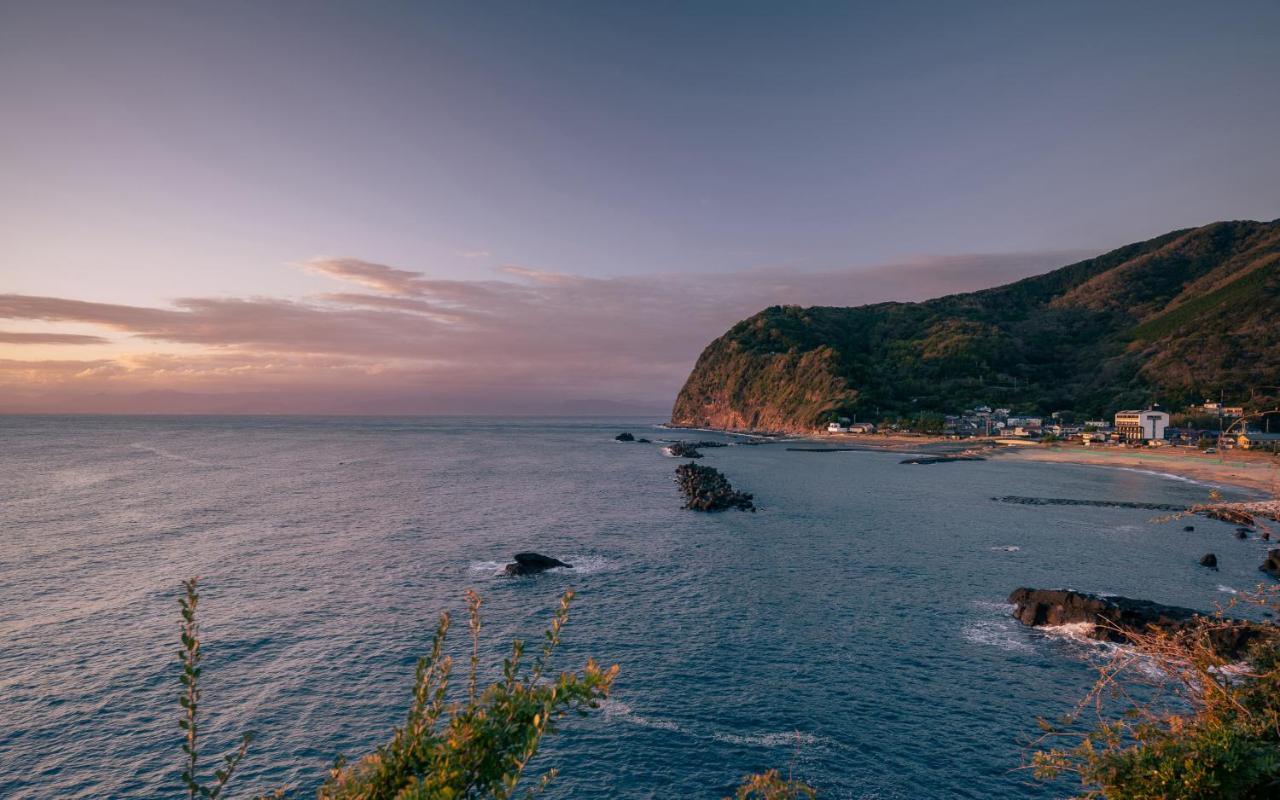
624	437
1272	565
1115	619
939	459
1242	533
1189	528
643	440
1209	560
533	563
705	489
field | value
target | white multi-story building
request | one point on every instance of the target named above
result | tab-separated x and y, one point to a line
1141	425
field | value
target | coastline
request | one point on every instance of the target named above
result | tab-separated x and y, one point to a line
1257	472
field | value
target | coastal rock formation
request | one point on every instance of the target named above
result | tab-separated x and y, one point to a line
1142	310
705	489
939	459
1242	533
1189	528
533	563
1272	565
624	437
1114	619
683	450
1209	560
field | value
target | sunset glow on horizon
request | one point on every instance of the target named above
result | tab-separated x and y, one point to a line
388	208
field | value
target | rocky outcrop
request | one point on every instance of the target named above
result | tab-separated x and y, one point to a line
705	489
624	437
1272	565
1209	560
939	459
1115	619
533	563
683	450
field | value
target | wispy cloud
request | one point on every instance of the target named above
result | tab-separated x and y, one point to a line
523	335
10	337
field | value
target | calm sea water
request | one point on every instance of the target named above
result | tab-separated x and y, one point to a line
853	628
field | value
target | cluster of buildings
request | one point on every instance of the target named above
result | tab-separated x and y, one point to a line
1141	427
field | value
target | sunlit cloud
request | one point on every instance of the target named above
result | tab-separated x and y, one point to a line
411	342
11	337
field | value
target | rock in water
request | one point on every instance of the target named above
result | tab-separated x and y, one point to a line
1209	560
705	489
1189	528
683	450
1242	533
624	437
1272	565
533	563
1115	618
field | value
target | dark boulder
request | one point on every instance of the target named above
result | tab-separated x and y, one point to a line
1115	619
1242	533
684	450
533	563
643	440
1209	560
1272	565
705	489
624	437
1189	528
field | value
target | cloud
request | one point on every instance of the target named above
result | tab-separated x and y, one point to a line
11	337
530	338
375	276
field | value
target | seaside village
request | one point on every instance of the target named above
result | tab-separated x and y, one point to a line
1210	426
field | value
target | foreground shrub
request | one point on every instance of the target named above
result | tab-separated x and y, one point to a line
771	785
473	748
1210	732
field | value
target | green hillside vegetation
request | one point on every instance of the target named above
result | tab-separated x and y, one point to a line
1167	320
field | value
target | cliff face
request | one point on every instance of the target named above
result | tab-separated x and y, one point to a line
1172	319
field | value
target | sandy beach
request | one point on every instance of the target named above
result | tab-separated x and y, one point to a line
1257	471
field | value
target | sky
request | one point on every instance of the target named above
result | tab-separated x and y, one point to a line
553	207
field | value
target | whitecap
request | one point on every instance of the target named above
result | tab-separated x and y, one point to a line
616	709
1227	589
1077	631
485	566
1006	548
996	634
779	739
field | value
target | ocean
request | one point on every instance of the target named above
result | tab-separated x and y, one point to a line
853	630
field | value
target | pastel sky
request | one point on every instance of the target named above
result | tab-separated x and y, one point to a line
495	207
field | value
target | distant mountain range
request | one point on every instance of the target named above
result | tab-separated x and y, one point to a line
1178	318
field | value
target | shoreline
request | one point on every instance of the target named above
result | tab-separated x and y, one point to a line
1255	472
